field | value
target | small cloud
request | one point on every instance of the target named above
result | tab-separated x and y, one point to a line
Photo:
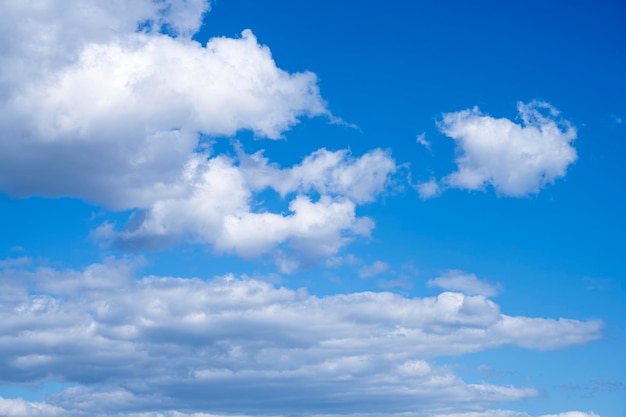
599	284
617	119
427	190
103	234
403	281
15	262
421	139
340	260
454	280
516	159
376	268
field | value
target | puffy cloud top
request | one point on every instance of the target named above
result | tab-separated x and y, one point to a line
516	159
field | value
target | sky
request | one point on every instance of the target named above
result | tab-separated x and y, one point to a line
317	209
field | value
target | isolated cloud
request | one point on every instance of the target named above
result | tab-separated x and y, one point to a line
158	342
421	139
516	159
454	280
374	269
428	189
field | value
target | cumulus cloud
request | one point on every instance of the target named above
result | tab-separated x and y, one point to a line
157	342
219	206
516	159
117	104
95	108
119	126
466	283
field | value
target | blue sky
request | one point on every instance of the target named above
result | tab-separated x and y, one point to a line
293	208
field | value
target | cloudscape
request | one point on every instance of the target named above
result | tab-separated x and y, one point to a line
325	209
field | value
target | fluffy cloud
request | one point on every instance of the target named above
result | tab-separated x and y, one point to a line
158	342
93	108
467	283
116	108
20	408
119	126
516	159
219	207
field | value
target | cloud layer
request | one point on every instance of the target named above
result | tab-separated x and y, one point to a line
157	342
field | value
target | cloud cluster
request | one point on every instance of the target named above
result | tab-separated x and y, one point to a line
114	104
516	159
219	206
157	342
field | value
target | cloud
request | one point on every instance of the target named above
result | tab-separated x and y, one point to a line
15	262
428	189
374	269
139	344
112	115
421	139
466	283
219	206
335	173
516	159
21	408
572	414
119	106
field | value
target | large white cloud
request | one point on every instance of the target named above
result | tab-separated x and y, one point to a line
159	342
118	126
112	102
516	159
95	109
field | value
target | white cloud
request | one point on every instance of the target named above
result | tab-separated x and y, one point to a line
428	189
112	115
466	283
374	269
15	262
572	414
421	139
19	408
116	116
516	159
218	207
159	342
326	172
